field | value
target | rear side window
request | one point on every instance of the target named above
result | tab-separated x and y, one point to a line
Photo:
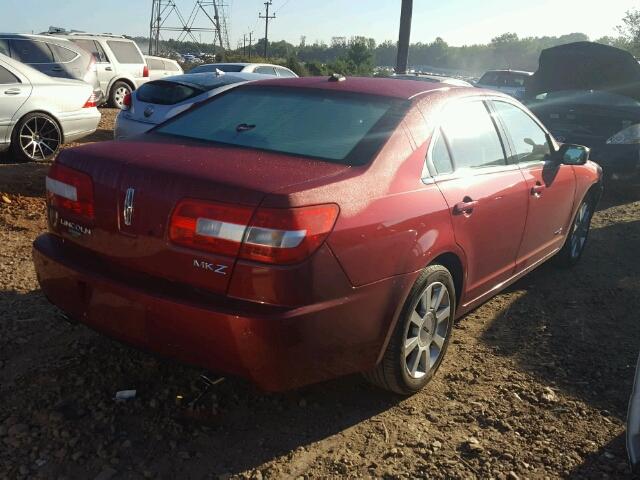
529	140
28	51
283	72
165	93
489	78
92	47
514	80
125	52
62	54
155	64
472	136
4	47
265	70
440	155
341	128
7	77
170	66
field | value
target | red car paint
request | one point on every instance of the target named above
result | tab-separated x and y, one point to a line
284	326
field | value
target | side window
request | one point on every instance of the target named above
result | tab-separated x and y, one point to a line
489	78
472	136
28	51
529	140
155	64
6	77
440	155
61	54
170	66
265	70
283	72
125	52
4	47
92	47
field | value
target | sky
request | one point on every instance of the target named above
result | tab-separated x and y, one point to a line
459	22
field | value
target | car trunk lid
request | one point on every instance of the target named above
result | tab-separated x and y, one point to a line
137	185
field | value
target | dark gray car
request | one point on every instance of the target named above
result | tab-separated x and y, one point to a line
56	57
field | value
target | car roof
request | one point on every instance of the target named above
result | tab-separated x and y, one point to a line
34	36
385	87
208	79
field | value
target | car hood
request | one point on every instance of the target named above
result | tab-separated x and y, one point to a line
586	66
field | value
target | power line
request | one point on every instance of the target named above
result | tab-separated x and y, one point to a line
281	7
266	17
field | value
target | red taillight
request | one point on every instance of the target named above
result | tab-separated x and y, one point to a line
126	102
271	235
92	101
145	71
71	191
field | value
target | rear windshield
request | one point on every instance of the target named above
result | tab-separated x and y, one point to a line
162	92
125	52
220	66
338	127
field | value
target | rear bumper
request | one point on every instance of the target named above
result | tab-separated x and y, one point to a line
276	348
127	128
79	124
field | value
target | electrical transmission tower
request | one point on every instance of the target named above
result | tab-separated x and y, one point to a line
215	20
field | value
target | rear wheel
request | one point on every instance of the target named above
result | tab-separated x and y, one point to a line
576	241
119	90
36	137
421	335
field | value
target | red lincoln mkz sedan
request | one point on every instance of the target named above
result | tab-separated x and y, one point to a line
290	231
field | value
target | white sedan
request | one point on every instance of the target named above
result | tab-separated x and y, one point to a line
39	113
158	100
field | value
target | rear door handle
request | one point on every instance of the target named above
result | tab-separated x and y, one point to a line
56	69
537	189
108	69
465	207
12	91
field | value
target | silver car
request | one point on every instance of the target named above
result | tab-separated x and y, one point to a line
119	61
431	78
159	100
39	113
511	82
260	68
56	57
160	67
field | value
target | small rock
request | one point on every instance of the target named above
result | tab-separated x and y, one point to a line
512	476
107	474
6	199
436	445
549	395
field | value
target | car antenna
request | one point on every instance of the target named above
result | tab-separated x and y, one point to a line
219	72
337	77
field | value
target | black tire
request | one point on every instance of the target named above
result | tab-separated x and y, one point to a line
117	92
573	247
45	138
393	371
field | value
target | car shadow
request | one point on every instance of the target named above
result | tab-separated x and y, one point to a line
56	375
583	341
605	461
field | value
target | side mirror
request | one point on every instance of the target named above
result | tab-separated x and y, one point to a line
569	154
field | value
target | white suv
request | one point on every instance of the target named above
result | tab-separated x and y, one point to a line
120	63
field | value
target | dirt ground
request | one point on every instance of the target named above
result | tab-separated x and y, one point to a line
535	383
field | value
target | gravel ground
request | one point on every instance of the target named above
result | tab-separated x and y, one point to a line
535	384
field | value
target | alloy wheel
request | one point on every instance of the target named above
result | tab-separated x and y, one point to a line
119	94
580	229
39	138
427	330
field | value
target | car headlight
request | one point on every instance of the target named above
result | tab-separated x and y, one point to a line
627	136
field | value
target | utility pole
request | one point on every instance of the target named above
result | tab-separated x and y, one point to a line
402	61
266	17
244	44
250	40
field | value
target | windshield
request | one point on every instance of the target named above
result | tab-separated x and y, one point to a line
338	127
